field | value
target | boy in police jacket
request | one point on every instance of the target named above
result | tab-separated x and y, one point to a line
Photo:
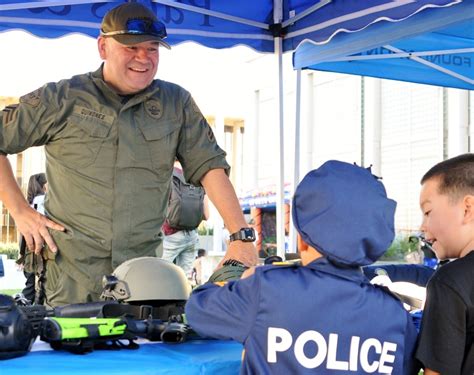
322	316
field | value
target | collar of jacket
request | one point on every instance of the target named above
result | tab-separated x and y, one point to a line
354	274
98	79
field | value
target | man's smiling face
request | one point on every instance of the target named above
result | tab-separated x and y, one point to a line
128	69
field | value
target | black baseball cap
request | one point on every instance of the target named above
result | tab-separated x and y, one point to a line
133	23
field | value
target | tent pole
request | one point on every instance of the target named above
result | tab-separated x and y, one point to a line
292	246
374	111
458	116
218	234
280	185
470	125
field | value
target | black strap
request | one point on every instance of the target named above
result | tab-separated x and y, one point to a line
142	311
40	278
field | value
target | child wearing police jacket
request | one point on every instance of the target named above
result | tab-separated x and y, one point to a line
446	344
323	316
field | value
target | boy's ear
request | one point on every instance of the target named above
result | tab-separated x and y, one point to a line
469	208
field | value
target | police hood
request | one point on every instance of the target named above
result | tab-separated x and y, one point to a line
343	211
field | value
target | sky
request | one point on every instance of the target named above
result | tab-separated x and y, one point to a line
220	80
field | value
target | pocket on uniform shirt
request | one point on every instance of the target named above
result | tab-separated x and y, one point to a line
161	138
83	138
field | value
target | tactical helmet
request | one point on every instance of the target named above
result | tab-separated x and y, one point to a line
147	279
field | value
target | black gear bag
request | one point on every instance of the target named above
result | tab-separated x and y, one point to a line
186	204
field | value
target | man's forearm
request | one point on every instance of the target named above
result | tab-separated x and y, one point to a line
10	193
222	194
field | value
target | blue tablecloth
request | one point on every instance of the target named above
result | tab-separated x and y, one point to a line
192	357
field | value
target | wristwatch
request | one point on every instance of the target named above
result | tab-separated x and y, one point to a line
244	235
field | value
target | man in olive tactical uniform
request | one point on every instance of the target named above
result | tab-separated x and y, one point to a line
111	138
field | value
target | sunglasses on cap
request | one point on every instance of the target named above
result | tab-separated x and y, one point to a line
141	27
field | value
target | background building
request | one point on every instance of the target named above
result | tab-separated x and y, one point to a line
401	129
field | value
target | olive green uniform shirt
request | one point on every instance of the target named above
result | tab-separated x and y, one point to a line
109	160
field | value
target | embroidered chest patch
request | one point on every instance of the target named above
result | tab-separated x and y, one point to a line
154	108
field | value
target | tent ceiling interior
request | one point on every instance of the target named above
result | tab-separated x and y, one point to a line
434	47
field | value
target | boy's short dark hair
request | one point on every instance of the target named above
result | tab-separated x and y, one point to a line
201	253
456	175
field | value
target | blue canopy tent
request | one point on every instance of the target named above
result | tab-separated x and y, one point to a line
219	23
433	47
273	26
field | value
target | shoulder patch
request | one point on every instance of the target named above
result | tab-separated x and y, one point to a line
9	113
33	98
210	134
195	106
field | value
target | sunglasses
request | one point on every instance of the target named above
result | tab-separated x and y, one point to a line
141	27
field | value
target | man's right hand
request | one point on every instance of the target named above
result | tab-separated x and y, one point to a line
34	228
31	224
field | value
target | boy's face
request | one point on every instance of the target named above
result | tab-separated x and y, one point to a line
446	223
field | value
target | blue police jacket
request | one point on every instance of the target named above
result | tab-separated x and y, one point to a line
318	318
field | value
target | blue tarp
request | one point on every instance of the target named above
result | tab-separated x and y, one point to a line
190	358
434	47
221	23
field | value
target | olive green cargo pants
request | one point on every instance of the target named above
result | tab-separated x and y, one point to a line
60	289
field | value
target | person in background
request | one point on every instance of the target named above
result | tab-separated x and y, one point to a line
111	138
197	267
225	238
446	342
323	316
35	194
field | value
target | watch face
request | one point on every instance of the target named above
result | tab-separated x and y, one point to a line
244	235
249	234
